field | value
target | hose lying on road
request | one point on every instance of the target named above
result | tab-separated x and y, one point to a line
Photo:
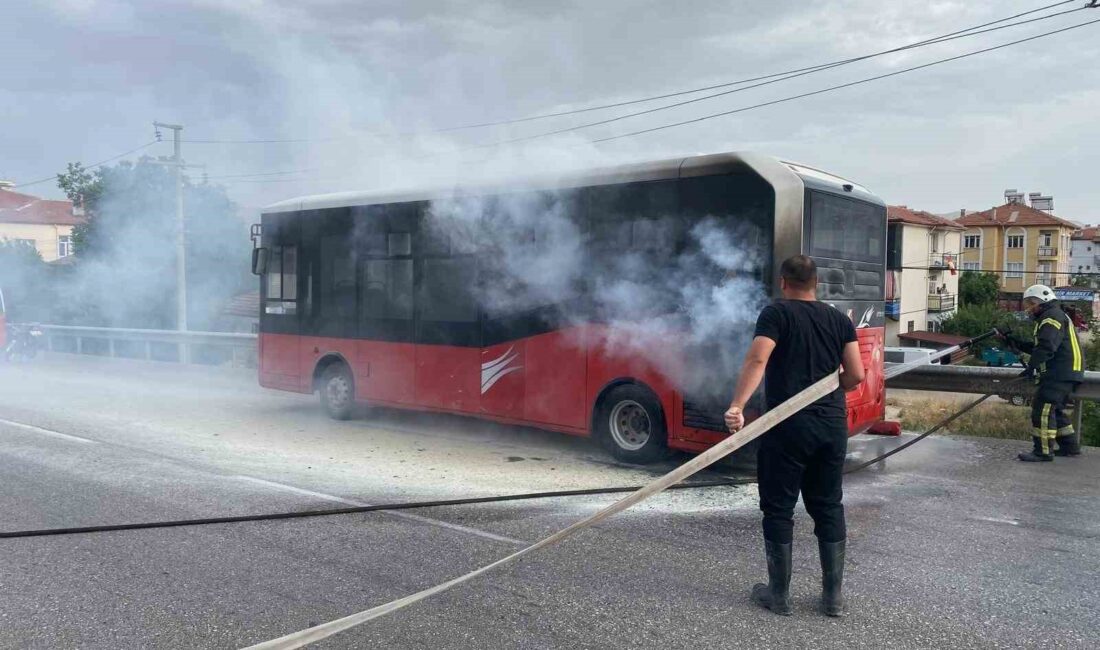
758	427
301	514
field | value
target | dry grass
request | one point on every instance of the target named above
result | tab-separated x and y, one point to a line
987	420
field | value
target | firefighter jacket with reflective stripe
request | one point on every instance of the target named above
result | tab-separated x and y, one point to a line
1056	353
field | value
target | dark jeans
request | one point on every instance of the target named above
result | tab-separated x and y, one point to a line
804	453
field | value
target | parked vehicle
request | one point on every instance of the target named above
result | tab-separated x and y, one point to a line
998	357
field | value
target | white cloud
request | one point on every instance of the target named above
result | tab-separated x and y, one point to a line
941	138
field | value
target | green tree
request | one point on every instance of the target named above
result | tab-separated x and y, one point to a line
25	282
1081	281
978	288
125	269
975	320
84	188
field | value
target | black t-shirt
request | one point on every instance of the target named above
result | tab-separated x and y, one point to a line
809	344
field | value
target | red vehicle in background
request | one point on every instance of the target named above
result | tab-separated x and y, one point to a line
363	303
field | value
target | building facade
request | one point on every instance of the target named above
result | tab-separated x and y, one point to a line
1084	257
43	224
922	284
1023	245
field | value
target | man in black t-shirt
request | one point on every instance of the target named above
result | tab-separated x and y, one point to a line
799	341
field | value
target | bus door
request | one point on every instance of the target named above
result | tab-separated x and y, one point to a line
387	350
448	336
330	314
280	297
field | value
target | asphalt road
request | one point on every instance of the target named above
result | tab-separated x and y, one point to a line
952	543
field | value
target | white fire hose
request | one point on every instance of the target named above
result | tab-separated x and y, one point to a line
751	432
703	460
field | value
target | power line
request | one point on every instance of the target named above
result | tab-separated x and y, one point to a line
767	79
768	103
842	86
936	41
92	166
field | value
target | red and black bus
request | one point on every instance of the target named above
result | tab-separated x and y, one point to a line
364	300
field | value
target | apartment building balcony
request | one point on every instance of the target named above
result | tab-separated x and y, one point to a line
893	309
941	261
939	302
1048	251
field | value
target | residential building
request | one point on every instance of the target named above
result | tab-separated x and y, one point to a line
1084	257
44	224
1024	244
922	283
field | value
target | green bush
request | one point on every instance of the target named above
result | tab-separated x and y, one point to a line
975	320
1090	424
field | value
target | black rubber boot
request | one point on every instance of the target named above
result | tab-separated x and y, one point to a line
776	594
1067	444
1036	455
832	577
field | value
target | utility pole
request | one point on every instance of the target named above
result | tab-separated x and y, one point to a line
181	248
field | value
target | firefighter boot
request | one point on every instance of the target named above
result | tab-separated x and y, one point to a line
776	594
832	577
1038	454
1067	443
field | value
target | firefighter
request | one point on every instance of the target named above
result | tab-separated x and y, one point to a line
798	341
1057	366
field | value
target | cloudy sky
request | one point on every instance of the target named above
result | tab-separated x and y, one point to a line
362	87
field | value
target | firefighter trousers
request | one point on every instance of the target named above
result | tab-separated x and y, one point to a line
1048	412
803	454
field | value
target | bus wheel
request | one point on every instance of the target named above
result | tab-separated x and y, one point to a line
337	391
630	425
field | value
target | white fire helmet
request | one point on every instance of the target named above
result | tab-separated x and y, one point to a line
1039	292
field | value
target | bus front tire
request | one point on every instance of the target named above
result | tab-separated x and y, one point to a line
631	426
337	391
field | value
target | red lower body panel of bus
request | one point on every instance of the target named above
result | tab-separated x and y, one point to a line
553	381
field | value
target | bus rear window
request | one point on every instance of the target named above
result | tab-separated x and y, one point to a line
846	229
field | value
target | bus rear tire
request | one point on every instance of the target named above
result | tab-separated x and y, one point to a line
630	425
337	392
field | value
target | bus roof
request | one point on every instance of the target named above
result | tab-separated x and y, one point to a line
666	169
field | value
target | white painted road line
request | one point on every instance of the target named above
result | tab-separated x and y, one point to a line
395	513
47	432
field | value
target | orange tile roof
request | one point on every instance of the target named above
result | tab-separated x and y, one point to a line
903	214
1091	233
1014	214
16	207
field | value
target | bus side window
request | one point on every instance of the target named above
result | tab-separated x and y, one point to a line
386	281
446	291
281	281
337	281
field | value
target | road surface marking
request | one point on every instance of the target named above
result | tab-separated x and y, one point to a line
995	520
47	432
396	513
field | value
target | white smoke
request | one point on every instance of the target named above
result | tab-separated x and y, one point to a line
687	307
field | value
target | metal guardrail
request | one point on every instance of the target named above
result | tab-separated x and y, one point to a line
979	380
162	345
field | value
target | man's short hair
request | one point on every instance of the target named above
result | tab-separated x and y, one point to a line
799	271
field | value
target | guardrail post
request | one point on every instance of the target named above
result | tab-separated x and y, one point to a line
185	353
1078	419
79	345
148	350
111	347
